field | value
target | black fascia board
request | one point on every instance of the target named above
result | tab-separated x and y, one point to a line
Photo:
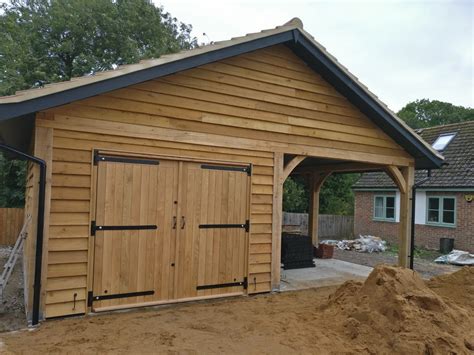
12	110
330	71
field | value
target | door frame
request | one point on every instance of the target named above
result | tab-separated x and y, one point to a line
92	215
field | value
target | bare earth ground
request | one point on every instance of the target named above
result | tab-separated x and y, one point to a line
393	312
12	314
425	267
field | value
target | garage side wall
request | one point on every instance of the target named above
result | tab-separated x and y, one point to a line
245	109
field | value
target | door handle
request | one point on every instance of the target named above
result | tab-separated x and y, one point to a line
175	221
183	222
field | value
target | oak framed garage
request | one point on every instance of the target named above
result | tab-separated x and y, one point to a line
211	134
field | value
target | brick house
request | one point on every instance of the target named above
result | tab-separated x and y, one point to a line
444	203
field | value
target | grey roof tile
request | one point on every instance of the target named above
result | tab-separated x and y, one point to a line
459	156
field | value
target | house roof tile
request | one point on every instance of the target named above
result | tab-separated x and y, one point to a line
458	171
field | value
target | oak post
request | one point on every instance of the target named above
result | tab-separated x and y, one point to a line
405	216
316	181
277	219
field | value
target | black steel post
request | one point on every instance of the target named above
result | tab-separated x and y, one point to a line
39	227
412	241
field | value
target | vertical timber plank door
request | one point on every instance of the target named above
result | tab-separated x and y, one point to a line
134	231
211	248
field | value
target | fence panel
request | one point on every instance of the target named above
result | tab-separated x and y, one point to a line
11	221
330	226
335	227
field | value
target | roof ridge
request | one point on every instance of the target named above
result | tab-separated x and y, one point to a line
448	125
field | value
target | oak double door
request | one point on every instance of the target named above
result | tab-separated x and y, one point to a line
166	231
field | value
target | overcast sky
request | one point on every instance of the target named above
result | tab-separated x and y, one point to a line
402	50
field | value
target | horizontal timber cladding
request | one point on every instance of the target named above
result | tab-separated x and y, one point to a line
241	110
259	109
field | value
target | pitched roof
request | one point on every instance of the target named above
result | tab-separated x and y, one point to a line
291	34
458	172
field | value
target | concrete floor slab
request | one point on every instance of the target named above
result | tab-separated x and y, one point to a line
328	272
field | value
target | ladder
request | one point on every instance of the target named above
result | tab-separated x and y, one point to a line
13	257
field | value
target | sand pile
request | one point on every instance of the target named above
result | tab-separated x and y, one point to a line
457	287
394	311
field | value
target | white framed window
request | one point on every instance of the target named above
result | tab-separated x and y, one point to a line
384	207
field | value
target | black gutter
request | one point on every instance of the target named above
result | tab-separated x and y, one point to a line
39	227
413	205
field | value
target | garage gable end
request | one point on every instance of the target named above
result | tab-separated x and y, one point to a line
270	95
291	35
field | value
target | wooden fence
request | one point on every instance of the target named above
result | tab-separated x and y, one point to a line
330	226
11	221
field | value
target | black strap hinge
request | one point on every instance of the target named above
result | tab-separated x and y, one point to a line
245	225
89	298
224	285
95	227
120	159
245	169
249	170
96	156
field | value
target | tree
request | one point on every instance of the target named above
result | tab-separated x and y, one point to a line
12	182
295	196
46	41
425	113
336	196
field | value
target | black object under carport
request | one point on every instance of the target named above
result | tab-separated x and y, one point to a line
39	227
296	251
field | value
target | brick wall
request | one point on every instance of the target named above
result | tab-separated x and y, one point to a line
426	236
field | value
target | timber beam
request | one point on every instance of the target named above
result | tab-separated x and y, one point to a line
291	165
339	168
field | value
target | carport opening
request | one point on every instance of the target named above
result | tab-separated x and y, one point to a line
319	205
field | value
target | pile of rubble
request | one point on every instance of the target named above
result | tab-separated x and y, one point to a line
456	257
363	244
